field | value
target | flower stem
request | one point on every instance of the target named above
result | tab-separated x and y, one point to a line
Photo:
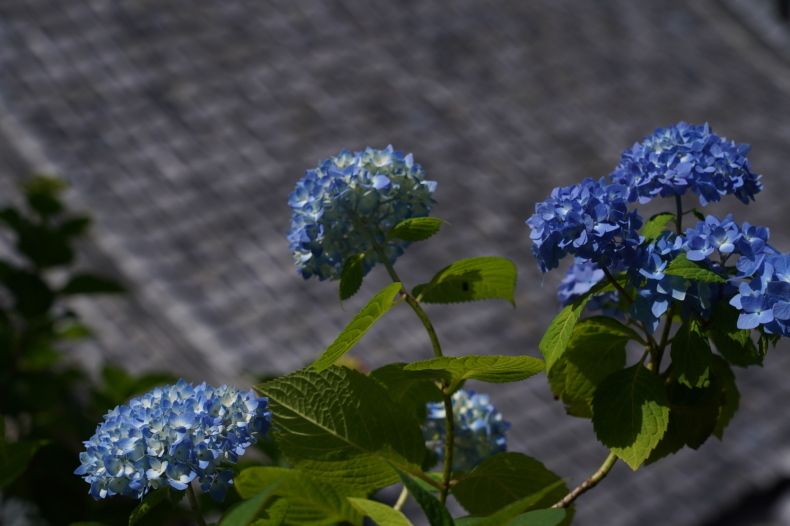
193	503
619	287
590	483
404	494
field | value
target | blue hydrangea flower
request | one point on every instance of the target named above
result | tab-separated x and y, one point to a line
479	429
171	436
765	299
578	280
686	157
589	220
350	199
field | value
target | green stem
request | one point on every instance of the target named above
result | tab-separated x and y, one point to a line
619	287
590	483
449	445
404	494
193	503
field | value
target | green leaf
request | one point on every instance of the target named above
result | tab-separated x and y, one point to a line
558	335
494	369
725	319
74	227
274	513
683	267
310	501
691	354
18	454
380	513
596	350
340	426
631	413
408	389
730	396
508	516
149	501
740	354
503	479
248	511
415	229
656	225
92	284
470	280
547	517
32	295
360	324
435	511
351	276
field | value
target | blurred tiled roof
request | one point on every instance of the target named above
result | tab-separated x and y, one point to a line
183	125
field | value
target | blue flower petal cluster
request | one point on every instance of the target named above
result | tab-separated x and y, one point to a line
686	157
350	199
578	280
171	436
589	220
765	300
479	429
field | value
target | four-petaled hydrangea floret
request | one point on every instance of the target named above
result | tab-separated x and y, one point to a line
351	201
578	280
686	157
479	429
589	220
765	300
171	436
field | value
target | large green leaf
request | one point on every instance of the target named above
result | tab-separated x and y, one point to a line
91	284
558	335
730	396
360	324
733	343
310	502
509	515
683	267
435	511
631	413
503	479
380	513
249	510
18	454
339	425
494	369
152	499
596	350
274	514
415	229
691	354
547	517
408	389
656	225
470	280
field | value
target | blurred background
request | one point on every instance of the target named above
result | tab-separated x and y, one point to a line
182	126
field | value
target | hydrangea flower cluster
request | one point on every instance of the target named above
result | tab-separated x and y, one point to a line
765	300
171	436
590	220
578	280
350	199
686	157
479	429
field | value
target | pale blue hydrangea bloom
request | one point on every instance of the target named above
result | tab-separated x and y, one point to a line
349	199
171	436
479	429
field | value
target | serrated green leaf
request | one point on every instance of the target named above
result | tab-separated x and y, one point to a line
656	225
380	513
92	284
340	426
508	516
435	511
408	389
147	504
691	354
351	276
596	350
556	338
274	513
494	369
416	229
631	413
742	355
503	479
248	511
683	267
360	324
310	501
471	280
725	319
730	396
